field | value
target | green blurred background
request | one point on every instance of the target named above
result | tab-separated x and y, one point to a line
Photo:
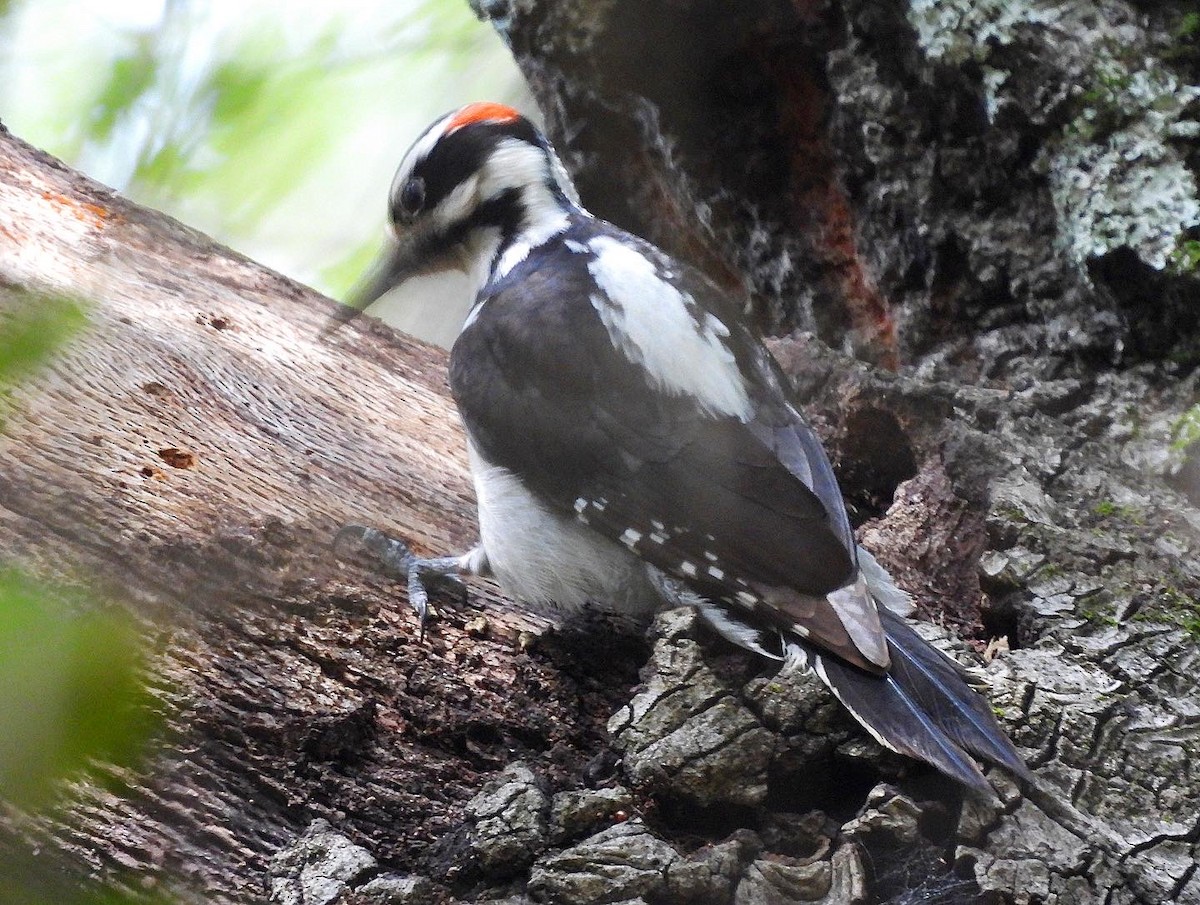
272	125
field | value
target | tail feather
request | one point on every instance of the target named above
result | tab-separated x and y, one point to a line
923	707
957	708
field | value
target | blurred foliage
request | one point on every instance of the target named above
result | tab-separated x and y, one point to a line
27	885
130	77
72	689
1186	430
32	329
273	126
1186	257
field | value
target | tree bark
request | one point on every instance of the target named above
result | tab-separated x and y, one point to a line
897	181
1000	201
193	453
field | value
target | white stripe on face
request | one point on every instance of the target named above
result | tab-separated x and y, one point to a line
418	152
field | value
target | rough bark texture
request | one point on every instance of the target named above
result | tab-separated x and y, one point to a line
194	452
1000	200
994	199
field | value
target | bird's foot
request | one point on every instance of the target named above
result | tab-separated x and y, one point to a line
398	560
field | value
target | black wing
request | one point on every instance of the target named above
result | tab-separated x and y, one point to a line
746	512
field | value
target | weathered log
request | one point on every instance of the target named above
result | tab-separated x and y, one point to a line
193	453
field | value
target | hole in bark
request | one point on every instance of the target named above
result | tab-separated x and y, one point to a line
715	822
595	653
177	458
908	875
342	737
480	738
1001	618
950	271
875	456
1161	311
837	788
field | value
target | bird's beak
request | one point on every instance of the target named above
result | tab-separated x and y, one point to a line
399	260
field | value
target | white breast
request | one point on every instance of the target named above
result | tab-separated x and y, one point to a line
552	561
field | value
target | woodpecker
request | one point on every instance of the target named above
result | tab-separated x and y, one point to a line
633	444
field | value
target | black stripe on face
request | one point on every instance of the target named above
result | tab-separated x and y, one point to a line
460	154
503	212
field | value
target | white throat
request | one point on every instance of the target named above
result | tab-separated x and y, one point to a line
476	257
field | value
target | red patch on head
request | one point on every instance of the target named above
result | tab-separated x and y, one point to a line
482	112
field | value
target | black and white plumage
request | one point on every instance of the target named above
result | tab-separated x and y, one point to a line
633	445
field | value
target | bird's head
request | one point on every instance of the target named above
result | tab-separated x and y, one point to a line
477	181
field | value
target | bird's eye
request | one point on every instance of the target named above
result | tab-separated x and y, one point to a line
412	197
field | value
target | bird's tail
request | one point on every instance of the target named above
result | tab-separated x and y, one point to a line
923	707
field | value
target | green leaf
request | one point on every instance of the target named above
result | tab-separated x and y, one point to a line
32	327
71	689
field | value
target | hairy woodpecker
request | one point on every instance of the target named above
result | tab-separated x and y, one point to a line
633	445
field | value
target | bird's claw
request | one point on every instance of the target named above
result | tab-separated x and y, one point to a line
394	555
398	560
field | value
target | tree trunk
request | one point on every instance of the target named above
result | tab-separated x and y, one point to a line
994	200
999	200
